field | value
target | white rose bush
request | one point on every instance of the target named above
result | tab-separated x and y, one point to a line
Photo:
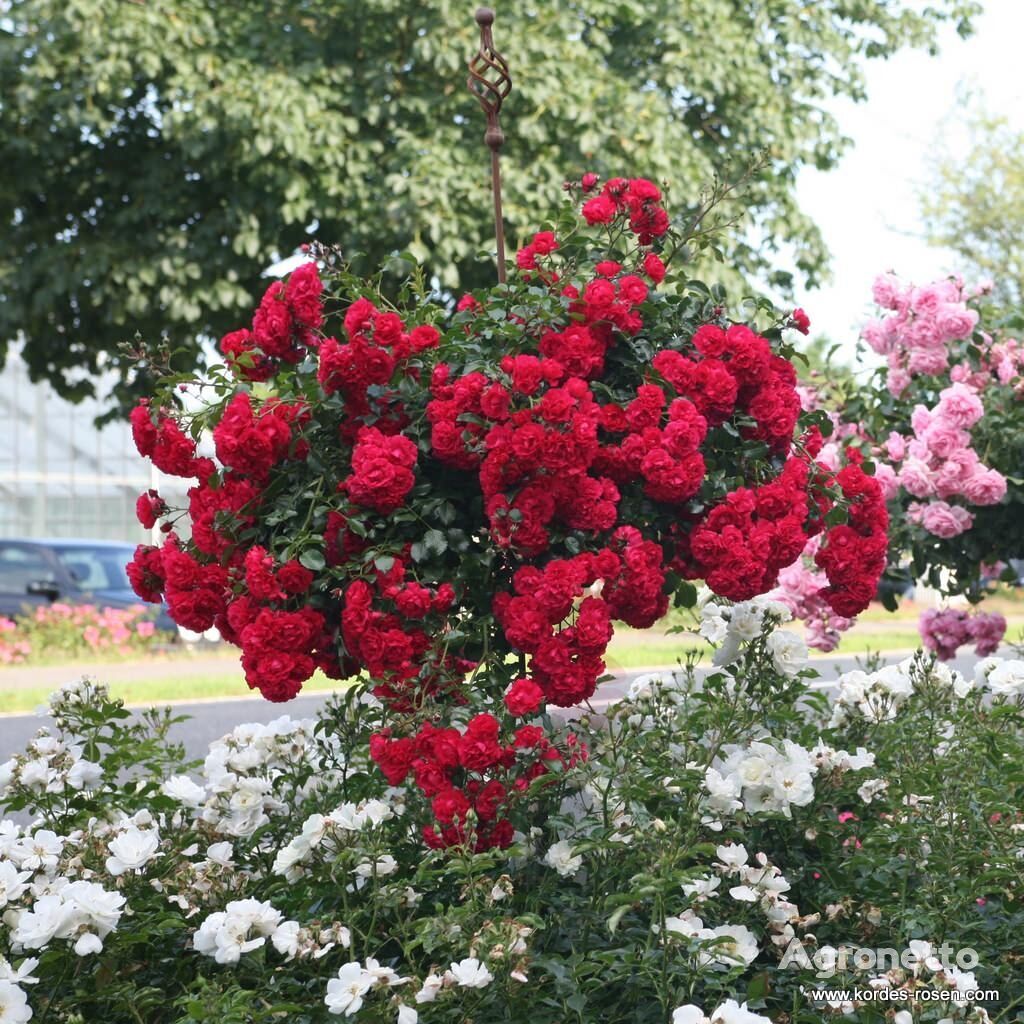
730	831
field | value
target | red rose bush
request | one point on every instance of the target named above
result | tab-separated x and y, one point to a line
461	502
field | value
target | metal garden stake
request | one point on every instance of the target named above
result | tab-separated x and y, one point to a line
489	80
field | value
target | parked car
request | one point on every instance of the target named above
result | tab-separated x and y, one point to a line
39	572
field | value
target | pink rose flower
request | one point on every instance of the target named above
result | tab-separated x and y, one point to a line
985	487
951	476
956	323
897	382
896	447
930	361
987	631
873	332
944	520
960	405
916	477
886	290
943	631
887	480
1006	370
944	438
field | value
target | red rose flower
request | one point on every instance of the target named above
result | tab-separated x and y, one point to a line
523	698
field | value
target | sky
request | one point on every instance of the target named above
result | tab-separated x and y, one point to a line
867	207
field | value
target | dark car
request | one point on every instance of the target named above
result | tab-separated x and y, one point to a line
39	572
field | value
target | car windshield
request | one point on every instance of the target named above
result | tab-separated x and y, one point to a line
97	568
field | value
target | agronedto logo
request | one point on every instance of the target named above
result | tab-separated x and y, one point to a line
828	961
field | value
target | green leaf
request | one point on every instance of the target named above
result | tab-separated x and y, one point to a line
312	558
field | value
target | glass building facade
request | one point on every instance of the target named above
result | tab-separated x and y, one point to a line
60	476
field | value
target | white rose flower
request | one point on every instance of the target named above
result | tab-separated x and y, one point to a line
366	870
792	785
100	910
471	973
723	790
345	992
755	771
184	790
713	627
962	686
407	1015
37	928
740	945
688	925
861	759
731	1012
744	893
22	975
221	854
285	938
376	812
561	857
984	667
12	882
7	775
728	651
88	944
745	620
689	1014
432	985
35	774
1007	679
14	1008
701	888
643	686
733	856
870	789
290	860
788	651
84	775
132	850
895	680
383	975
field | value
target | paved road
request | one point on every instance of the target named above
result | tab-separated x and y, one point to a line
209	720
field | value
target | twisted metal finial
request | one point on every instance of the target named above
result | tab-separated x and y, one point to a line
490	82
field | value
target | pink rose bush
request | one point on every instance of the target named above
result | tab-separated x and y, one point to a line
943	423
63	631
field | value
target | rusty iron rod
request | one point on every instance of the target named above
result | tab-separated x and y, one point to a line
490	82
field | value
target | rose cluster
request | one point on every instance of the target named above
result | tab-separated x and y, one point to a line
915	332
471	771
939	463
945	630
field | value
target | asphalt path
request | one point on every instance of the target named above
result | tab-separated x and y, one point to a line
209	720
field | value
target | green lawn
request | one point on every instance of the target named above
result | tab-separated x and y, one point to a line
159	691
650	648
630	649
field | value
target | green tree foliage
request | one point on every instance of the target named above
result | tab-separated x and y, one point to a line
159	154
974	205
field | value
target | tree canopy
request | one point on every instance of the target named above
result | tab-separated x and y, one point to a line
159	154
974	205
